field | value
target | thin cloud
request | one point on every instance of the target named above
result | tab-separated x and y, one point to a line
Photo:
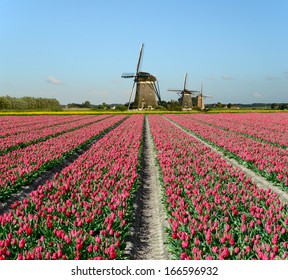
257	95
226	77
53	81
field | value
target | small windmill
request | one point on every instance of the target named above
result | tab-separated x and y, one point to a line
185	95
147	87
199	99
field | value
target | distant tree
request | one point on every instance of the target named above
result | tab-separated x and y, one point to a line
102	106
163	103
283	107
173	105
229	105
70	105
3	102
74	105
28	103
86	104
219	105
121	107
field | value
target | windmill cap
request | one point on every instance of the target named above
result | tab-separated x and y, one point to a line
145	76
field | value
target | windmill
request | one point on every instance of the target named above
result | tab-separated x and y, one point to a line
199	99
185	95
147	87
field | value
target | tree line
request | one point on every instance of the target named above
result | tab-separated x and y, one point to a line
273	106
29	103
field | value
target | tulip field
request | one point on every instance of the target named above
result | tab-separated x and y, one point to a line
85	210
267	155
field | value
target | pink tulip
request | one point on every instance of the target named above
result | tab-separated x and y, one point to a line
22	243
185	244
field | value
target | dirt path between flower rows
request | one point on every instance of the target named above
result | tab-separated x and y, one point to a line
147	240
261	182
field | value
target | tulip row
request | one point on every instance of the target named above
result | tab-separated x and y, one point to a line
39	133
271	128
214	210
84	211
269	161
19	167
18	124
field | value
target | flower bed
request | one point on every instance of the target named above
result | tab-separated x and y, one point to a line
18	124
19	167
215	211
37	133
84	212
269	161
271	128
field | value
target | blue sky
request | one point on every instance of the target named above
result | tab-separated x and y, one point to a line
77	50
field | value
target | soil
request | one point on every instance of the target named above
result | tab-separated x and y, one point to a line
147	239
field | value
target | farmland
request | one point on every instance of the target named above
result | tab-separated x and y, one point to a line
157	186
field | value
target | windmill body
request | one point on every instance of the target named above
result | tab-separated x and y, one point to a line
198	100
145	96
190	98
186	95
147	88
185	100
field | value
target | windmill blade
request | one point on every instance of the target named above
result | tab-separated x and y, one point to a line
139	59
157	91
185	81
175	90
205	96
209	96
131	95
178	91
128	75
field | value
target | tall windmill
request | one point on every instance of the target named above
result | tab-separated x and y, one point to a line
147	87
185	95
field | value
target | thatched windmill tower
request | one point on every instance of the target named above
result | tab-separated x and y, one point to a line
147	87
